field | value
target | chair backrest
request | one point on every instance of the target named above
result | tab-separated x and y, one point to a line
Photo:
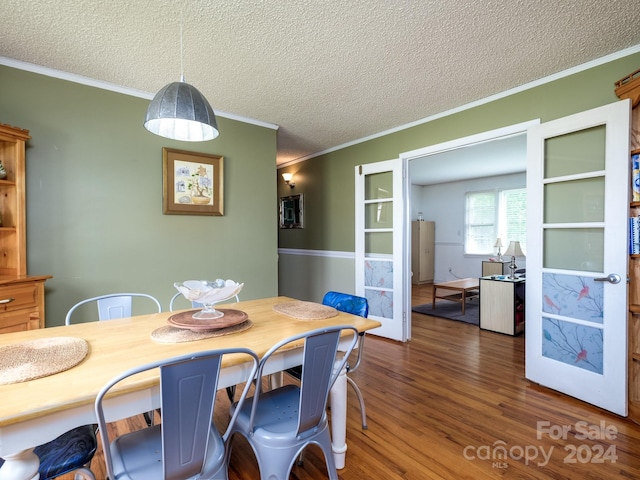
347	303
319	371
188	387
193	304
112	305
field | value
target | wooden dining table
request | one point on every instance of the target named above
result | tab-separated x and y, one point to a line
37	411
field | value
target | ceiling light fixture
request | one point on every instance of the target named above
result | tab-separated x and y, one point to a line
180	112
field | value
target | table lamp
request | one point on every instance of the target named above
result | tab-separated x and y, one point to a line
513	251
499	245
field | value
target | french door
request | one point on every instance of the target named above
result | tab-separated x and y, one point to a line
578	204
380	246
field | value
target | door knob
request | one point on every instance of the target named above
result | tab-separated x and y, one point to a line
611	278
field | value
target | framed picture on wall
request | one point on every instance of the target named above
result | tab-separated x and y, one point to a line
192	183
291	212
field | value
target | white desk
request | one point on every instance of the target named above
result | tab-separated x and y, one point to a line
38	411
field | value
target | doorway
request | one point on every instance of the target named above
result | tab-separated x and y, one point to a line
483	157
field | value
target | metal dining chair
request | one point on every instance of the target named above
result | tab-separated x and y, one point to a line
355	305
186	444
231	391
71	452
280	423
112	306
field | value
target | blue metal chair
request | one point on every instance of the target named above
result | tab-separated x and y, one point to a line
186	444
71	452
280	423
357	306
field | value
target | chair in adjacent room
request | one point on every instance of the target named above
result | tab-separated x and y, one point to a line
71	452
280	423
357	306
186	444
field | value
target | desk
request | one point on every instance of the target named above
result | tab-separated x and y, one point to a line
502	302
456	291
38	411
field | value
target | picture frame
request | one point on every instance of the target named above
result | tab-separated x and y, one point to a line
192	183
292	211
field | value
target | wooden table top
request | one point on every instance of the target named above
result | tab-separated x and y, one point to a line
118	345
462	284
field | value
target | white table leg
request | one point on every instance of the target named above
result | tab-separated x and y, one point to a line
276	380
338	401
20	466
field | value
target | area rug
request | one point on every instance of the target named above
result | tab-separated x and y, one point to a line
453	311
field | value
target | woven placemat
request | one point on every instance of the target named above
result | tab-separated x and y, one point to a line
305	310
39	358
169	334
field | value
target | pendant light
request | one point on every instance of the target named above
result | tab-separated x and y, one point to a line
180	112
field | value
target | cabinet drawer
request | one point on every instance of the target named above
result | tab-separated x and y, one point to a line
15	297
19	321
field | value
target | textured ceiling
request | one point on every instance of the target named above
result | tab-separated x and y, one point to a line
327	72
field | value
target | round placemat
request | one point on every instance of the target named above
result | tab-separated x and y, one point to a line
305	310
185	320
33	359
170	334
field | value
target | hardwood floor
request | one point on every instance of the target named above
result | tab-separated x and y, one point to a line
446	404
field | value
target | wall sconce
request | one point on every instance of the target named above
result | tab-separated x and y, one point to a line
288	177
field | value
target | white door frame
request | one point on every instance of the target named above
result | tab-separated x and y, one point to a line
406	157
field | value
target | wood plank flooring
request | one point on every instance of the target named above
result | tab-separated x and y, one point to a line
446	406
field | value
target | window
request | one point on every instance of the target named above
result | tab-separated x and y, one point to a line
492	214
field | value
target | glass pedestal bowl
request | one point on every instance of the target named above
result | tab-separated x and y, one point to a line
208	294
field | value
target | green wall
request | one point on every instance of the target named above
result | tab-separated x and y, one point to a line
94	197
327	181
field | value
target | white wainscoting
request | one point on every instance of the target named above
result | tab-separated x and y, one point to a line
309	274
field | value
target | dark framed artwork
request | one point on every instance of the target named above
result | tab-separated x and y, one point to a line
292	211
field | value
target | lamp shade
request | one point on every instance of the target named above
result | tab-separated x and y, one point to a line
514	250
498	242
180	112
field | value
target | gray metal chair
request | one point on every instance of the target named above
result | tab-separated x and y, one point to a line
112	305
280	423
231	391
186	444
355	305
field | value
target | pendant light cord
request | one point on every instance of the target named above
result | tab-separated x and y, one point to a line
181	46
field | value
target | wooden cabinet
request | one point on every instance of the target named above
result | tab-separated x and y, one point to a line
423	237
502	305
21	295
22	303
494	268
629	87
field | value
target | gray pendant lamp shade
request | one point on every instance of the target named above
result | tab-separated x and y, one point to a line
180	112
